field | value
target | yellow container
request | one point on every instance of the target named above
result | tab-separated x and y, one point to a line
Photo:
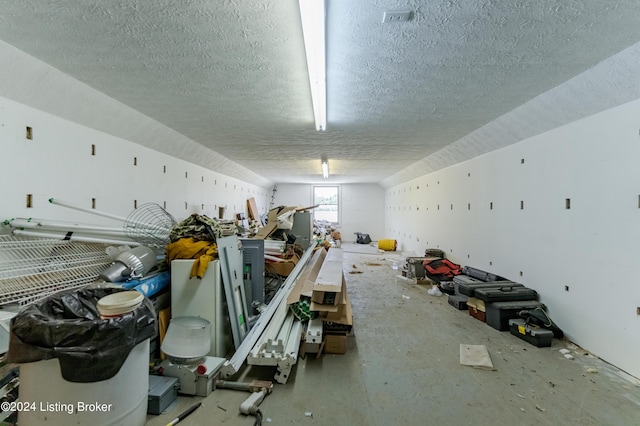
388	245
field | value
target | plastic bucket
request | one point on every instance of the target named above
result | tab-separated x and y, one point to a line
118	304
388	245
120	400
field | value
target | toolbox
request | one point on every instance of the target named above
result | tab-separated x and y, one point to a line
481	275
458	301
498	314
466	279
434	252
505	293
476	308
163	391
537	336
469	289
447	287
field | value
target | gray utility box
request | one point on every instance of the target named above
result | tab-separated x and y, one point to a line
415	269
303	229
163	391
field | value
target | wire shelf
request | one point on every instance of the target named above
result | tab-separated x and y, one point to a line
31	269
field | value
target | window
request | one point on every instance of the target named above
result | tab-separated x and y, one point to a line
326	198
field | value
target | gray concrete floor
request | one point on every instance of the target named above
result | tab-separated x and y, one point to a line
402	366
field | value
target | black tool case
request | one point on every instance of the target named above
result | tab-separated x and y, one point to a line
466	279
481	275
458	301
448	287
537	336
505	293
469	289
434	252
498	314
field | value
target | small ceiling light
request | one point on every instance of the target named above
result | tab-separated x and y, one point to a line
312	16
325	167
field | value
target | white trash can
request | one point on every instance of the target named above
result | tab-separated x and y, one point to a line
48	399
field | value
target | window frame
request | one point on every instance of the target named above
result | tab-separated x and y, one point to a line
338	201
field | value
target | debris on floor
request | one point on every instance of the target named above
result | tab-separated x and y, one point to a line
355	270
434	291
476	356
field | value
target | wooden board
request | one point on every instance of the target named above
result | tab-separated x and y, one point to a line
304	284
253	210
265	231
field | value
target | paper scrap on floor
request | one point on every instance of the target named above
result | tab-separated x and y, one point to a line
476	356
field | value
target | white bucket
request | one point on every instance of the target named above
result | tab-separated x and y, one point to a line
120	400
120	303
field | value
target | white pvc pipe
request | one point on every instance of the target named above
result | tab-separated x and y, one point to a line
59	226
273	258
84	209
130	224
73	237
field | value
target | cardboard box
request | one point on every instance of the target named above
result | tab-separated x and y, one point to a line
335	344
338	299
343	316
283	268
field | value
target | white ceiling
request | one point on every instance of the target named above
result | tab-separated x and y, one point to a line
224	84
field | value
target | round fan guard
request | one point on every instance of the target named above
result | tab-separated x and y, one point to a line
150	225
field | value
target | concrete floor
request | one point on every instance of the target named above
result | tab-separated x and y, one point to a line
402	366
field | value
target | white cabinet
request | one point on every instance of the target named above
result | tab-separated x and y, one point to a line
201	298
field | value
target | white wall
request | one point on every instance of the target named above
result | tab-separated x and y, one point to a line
362	207
57	163
592	248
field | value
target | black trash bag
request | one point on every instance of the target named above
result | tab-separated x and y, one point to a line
67	326
362	238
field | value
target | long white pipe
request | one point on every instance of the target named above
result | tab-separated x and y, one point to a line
73	237
59	226
273	258
86	210
129	223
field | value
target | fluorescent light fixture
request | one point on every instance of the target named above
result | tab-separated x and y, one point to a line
325	167
312	16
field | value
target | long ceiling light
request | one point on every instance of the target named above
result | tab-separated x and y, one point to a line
312	16
325	167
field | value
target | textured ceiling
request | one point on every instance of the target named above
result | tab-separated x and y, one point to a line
223	83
